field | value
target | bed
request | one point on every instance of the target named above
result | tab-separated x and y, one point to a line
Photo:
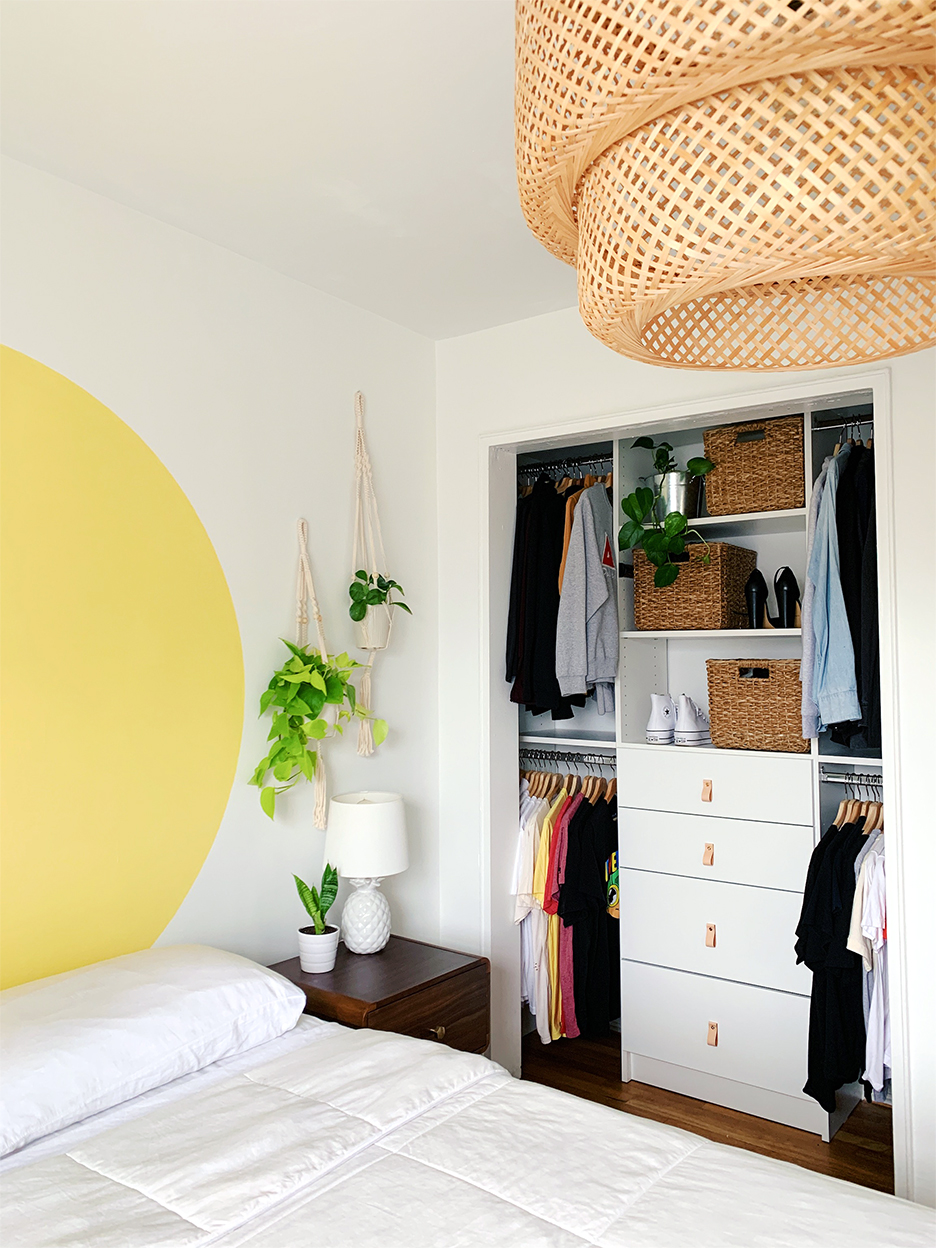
324	1135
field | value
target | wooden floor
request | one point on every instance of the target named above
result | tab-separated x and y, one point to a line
861	1152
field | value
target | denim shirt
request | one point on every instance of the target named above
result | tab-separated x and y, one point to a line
809	709
834	688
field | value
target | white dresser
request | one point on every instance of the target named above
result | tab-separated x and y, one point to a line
713	1002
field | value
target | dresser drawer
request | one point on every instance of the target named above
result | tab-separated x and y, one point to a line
771	855
455	1012
771	790
762	1035
665	920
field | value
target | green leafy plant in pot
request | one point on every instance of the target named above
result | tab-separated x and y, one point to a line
660	537
318	943
309	697
372	603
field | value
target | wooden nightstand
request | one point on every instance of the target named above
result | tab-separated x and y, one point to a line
409	987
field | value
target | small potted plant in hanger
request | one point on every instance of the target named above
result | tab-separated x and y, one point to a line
310	698
658	518
318	943
372	604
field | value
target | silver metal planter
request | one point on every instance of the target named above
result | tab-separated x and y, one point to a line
680	492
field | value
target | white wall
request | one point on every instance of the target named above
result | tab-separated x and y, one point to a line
549	370
242	382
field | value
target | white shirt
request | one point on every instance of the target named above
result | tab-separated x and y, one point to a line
873	923
857	941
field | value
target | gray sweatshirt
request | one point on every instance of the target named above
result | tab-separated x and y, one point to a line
587	632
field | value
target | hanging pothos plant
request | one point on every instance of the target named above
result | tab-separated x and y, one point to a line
367	591
297	696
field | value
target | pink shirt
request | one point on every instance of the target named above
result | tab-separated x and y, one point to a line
565	933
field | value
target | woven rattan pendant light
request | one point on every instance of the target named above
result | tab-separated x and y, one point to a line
744	184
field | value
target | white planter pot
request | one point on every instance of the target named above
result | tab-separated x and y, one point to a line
329	713
317	953
373	632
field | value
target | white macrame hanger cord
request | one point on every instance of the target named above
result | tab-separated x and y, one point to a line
368	556
305	594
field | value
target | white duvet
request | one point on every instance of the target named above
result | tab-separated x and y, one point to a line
358	1138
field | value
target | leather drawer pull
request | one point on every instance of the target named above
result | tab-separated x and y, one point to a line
706	790
710	935
708	854
712	1037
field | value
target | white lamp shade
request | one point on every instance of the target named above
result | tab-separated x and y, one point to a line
366	835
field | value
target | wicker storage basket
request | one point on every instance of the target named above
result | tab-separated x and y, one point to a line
758	466
756	704
702	596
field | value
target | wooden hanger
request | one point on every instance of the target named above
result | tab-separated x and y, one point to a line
839	819
871	817
611	791
598	791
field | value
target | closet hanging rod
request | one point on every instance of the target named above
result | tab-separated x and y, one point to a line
851	777
556	465
562	756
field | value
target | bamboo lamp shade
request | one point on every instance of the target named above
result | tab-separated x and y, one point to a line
721	218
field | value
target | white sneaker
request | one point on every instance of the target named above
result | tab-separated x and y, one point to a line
692	724
662	720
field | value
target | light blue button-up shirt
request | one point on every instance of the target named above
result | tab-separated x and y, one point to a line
835	688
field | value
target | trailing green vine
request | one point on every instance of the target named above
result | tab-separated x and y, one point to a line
296	696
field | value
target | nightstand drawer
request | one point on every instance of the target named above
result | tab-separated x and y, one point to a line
455	1012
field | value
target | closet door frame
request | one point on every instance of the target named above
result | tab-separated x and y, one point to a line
498	716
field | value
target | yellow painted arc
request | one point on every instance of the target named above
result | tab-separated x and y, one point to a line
122	682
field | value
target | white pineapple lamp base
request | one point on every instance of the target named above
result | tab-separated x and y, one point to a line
366	842
365	920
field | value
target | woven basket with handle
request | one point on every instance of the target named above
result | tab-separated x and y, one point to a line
756	704
702	596
758	466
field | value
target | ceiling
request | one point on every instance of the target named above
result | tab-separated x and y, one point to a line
362	146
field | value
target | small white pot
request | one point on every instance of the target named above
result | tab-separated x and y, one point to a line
317	953
329	713
373	632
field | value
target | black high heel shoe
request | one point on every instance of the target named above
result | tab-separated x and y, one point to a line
755	593
788	599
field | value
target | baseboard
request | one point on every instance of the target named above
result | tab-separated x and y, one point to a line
761	1102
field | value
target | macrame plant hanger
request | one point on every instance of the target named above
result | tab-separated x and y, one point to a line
369	557
305	596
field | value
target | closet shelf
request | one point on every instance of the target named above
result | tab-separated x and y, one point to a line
582	738
709	750
747	524
706	633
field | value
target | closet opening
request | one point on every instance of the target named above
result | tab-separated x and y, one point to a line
687	979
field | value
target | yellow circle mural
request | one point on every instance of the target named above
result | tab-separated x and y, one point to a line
122	682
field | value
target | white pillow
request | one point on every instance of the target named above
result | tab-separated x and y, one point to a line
77	1043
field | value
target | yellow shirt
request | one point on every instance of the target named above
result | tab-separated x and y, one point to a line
552	935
